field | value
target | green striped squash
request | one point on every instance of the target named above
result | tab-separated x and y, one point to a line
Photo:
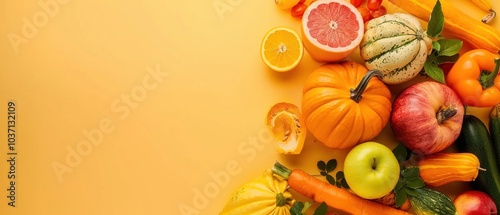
397	45
432	202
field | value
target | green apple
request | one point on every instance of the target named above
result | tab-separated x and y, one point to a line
371	170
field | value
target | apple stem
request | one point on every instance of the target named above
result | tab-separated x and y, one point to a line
358	91
445	112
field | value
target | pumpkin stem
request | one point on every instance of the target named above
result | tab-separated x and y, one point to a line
445	112
358	91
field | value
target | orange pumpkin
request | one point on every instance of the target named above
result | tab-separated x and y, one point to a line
343	105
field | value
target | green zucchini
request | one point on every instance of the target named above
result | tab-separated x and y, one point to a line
432	202
474	138
495	130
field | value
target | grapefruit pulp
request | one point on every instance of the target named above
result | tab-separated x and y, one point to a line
331	30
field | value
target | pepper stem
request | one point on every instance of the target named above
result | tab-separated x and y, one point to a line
358	91
445	112
487	79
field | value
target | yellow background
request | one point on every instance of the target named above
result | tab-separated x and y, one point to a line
172	93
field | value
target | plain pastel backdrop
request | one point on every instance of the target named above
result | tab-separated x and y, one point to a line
145	107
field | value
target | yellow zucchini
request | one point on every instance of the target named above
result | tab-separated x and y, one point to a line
456	23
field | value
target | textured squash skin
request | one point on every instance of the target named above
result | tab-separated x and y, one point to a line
443	167
259	197
397	45
332	116
432	202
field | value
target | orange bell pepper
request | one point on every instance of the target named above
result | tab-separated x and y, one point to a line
474	77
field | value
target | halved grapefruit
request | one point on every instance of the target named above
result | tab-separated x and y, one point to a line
331	30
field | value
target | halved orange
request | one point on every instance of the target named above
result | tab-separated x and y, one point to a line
281	49
286	124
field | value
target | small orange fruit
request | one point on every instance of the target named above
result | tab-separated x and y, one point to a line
281	49
286	124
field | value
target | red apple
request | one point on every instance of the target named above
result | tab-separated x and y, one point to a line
474	202
427	117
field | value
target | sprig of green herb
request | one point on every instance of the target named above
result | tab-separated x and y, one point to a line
443	50
406	187
326	168
300	208
409	179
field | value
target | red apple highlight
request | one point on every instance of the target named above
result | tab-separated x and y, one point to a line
474	202
427	117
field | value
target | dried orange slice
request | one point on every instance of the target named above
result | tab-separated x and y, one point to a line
285	122
281	49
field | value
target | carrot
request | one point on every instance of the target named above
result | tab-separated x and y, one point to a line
335	197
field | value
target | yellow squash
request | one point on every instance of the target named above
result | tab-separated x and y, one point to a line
456	23
264	195
445	167
483	4
486	6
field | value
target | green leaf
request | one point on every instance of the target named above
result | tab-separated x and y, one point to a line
296	208
448	59
415	183
307	205
401	152
432	58
338	184
411	173
410	191
400	197
339	175
321	210
331	165
436	46
321	165
449	47
323	173
330	179
400	184
436	21
344	183
433	71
